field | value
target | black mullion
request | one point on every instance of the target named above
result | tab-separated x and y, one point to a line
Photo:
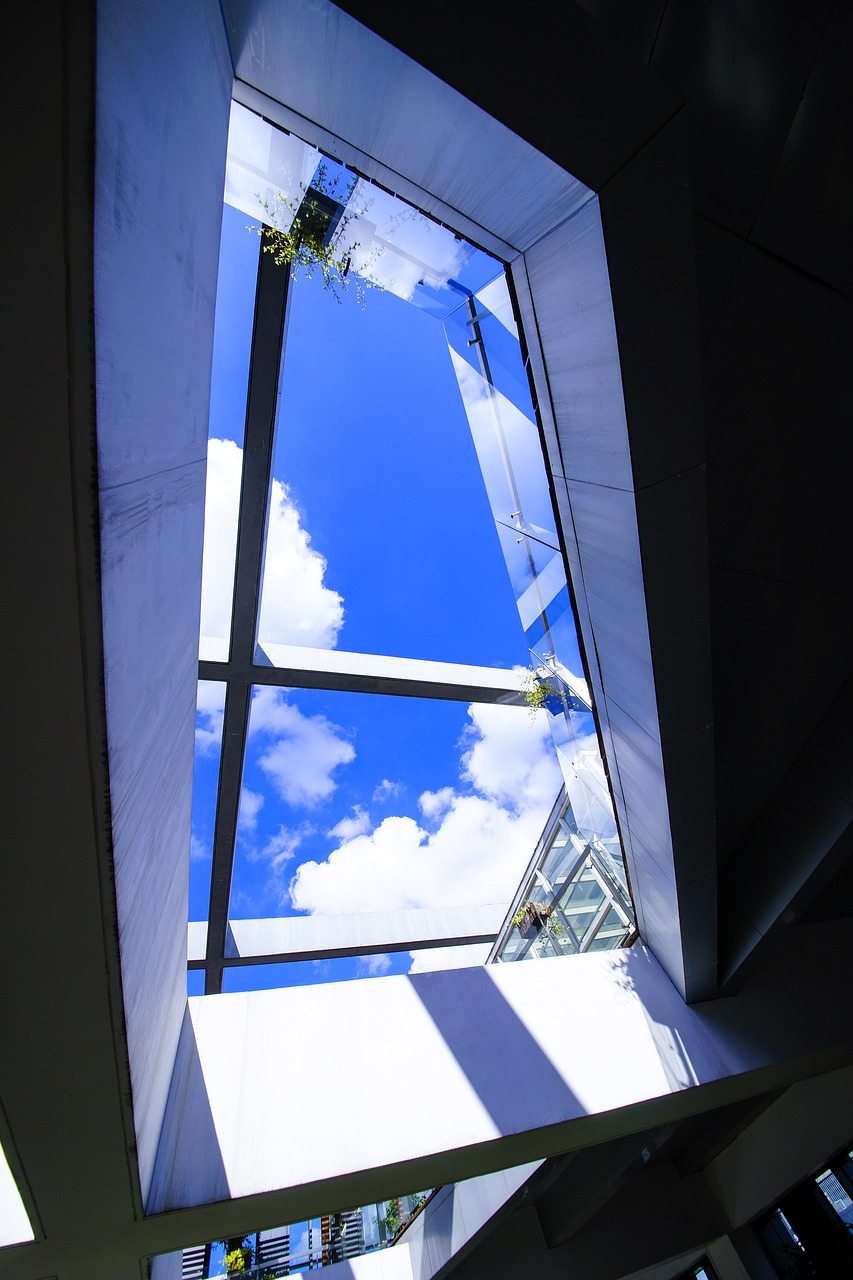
258	445
237	698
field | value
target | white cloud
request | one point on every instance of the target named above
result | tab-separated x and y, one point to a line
280	848
386	790
507	765
433	804
277	853
210	711
199	850
373	966
251	803
348	828
481	845
296	607
304	750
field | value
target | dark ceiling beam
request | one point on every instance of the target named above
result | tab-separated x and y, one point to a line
455	688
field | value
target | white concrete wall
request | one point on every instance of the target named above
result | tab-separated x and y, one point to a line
391	109
488	1067
163	95
628	570
457	1214
627	472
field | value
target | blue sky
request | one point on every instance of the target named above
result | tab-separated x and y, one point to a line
381	540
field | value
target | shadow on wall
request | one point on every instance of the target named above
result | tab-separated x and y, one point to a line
458	1001
188	1140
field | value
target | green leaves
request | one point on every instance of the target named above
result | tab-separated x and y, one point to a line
297	234
537	691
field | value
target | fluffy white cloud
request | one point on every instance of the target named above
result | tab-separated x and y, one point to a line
277	854
210	712
251	803
386	790
303	751
296	607
199	849
433	804
280	848
506	764
481	839
348	828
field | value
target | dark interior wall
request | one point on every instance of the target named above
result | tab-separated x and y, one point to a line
766	105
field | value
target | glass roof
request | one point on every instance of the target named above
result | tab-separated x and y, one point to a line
361	518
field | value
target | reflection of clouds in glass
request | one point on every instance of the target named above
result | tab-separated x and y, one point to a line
587	788
303	751
517	448
263	161
482	840
398	248
494	297
583	771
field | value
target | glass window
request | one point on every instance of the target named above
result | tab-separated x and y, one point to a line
210	708
357	802
380	537
232	342
837	1196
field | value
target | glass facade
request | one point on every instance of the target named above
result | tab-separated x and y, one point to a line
489	362
571	899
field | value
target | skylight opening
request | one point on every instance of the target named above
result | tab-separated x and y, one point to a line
15	1226
374	510
232	342
210	712
380	537
355	802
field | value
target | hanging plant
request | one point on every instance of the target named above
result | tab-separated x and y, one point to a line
531	915
540	693
308	235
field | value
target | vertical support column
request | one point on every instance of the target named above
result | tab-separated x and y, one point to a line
268	332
